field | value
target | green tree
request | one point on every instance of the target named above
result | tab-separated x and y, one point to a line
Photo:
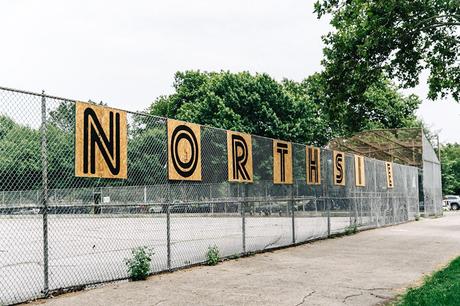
380	106
63	116
255	104
20	157
450	163
20	165
296	111
395	39
391	108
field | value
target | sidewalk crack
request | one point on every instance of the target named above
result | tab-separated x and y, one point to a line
305	298
350	296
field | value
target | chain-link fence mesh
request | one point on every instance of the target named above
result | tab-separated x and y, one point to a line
431	181
60	231
408	146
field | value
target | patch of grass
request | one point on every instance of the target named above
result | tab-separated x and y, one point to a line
213	255
352	229
234	256
139	263
442	288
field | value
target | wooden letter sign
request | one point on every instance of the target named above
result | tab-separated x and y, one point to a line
339	168
184	151
282	162
100	142
360	176
313	166
389	170
239	151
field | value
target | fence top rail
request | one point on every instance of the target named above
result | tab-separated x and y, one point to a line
145	114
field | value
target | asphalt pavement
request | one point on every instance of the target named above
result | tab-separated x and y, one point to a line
368	268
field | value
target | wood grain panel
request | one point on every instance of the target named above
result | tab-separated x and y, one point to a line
360	173
101	142
184	151
389	171
282	162
313	165
339	168
239	157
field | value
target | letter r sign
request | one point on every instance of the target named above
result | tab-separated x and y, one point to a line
239	150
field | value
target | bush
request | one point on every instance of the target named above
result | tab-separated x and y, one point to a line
139	263
352	229
213	256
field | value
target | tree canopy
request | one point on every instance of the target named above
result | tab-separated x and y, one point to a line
392	39
295	111
450	162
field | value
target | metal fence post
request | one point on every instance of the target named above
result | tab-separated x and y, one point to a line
326	196
292	213
44	160
372	208
243	218
210	199
328	217
168	226
356	208
393	206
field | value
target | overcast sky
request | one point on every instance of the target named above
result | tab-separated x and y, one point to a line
125	53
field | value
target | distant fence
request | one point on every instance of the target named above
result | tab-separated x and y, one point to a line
431	200
60	231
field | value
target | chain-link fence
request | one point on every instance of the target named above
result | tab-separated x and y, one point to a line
407	146
59	231
431	186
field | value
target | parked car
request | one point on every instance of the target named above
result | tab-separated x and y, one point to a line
156	209
27	211
445	205
452	202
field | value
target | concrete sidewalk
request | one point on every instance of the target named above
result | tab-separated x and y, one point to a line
365	269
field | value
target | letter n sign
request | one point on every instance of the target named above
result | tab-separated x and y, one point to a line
239	150
389	171
100	142
184	151
339	168
282	162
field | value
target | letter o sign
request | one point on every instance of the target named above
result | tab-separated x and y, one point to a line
184	151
